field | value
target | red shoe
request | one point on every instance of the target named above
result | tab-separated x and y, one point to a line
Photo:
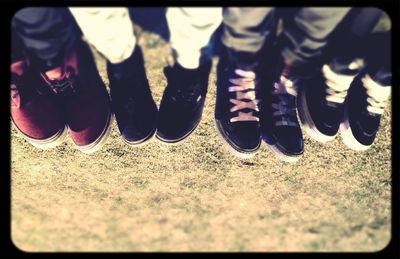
36	116
84	98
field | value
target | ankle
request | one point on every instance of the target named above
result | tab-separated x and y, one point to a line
243	60
55	74
129	67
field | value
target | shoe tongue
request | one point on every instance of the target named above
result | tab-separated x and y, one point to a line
246	61
285	87
55	74
18	68
59	81
126	69
245	110
186	81
117	74
347	66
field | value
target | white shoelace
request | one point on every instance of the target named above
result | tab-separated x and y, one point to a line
377	95
281	88
338	84
245	95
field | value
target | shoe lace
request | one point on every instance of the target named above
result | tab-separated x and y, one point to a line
377	95
65	85
244	87
285	108
338	84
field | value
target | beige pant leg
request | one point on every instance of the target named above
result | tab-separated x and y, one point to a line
108	29
190	31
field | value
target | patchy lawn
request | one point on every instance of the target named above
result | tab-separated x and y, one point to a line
196	196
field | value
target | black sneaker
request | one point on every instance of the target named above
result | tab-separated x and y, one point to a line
236	109
321	98
182	102
280	128
131	99
364	107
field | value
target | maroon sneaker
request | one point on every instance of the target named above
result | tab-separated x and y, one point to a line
36	116
84	98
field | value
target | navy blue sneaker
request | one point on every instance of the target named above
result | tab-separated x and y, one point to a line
236	109
321	98
183	101
280	127
364	107
133	105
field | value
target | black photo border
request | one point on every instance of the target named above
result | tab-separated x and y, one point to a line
9	7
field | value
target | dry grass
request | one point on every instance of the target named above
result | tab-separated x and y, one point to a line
196	196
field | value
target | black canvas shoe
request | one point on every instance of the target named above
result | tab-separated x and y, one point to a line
236	109
321	97
279	124
364	107
182	103
131	99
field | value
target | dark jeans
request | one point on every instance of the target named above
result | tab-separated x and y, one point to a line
44	34
306	29
354	38
379	57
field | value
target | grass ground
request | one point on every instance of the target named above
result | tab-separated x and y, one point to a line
196	196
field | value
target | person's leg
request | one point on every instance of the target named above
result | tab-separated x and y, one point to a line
307	32
246	31
190	32
66	65
183	100
321	101
47	34
110	31
35	116
368	94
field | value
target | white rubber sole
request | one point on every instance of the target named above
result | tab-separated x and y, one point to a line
231	149
307	122
149	138
45	144
283	157
100	141
347	135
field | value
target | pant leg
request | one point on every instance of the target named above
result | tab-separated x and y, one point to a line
190	32
307	32
349	40
108	29
46	33
378	55
246	29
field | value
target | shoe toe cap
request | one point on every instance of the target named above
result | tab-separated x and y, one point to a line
244	136
290	140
